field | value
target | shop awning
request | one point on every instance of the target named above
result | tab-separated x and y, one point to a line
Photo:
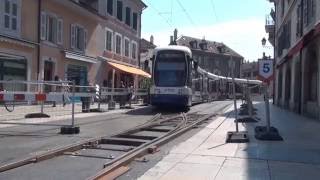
130	69
80	57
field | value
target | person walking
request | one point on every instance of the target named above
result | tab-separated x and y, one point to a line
55	88
122	97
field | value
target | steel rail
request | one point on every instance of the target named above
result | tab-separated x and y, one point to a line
73	147
143	149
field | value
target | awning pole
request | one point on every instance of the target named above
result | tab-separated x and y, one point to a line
113	74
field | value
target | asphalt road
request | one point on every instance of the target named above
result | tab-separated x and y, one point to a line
22	141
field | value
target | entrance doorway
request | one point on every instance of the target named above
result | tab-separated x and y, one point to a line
48	74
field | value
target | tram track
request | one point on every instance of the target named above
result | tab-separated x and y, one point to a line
120	149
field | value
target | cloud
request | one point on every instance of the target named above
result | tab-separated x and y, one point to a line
244	36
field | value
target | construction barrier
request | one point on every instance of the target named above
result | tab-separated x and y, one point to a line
44	102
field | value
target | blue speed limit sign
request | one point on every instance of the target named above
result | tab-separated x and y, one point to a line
265	69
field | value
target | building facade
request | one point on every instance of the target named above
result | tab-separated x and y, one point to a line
249	70
212	56
296	32
78	40
146	53
19	42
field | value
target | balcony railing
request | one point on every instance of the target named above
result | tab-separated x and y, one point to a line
269	21
120	58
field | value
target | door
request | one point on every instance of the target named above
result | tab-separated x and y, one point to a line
48	74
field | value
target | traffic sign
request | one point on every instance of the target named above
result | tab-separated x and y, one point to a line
265	70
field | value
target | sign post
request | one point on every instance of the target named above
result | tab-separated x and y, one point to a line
266	74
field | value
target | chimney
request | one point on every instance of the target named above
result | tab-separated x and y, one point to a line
171	40
151	39
175	33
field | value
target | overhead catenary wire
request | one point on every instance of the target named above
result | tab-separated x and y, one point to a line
214	10
160	14
186	13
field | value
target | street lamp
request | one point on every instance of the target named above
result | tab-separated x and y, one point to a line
263	41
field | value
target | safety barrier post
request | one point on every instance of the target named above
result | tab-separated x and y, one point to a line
73	103
235	136
112	104
72	129
99	98
267	132
42	103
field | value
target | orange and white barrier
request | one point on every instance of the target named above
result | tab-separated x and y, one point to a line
30	96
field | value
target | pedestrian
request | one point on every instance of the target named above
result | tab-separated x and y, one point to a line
86	100
130	94
55	88
122	97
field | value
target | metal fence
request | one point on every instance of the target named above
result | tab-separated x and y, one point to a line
55	103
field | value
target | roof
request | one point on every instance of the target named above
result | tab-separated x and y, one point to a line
174	47
145	45
212	46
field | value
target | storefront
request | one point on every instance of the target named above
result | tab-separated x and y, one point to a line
13	68
78	74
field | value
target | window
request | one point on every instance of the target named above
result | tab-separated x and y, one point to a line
10	15
282	7
110	7
309	11
299	32
51	28
119	10
134	50
109	40
126	47
128	16
135	21
118	43
78	38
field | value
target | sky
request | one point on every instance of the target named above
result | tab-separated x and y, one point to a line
237	23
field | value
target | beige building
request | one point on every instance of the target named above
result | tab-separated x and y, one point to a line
296	28
79	40
18	41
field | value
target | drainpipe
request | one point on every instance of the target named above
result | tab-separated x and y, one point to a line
274	55
39	38
300	59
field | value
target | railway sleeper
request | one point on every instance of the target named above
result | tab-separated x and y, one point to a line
123	141
132	136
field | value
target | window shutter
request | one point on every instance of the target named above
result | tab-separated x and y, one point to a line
85	38
55	30
60	31
72	36
313	8
305	12
43	26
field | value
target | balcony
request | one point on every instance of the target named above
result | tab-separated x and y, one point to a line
270	28
120	58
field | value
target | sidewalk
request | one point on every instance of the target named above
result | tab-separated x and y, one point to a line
206	156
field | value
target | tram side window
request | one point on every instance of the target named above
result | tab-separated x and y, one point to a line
197	82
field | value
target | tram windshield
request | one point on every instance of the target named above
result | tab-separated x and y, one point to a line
170	69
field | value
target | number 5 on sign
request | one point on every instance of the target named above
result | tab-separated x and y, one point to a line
265	70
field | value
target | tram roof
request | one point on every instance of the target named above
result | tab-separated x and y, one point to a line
174	47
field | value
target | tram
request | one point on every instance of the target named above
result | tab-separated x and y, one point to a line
176	81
